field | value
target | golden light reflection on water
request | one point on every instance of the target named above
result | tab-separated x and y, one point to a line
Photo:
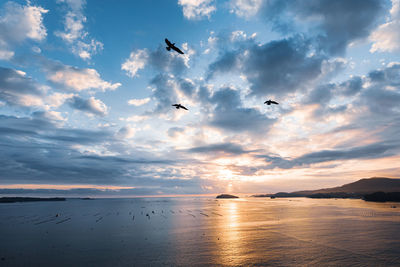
232	215
230	248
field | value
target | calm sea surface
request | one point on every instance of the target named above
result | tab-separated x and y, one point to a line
200	231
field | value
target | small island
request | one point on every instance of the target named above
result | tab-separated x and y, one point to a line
226	196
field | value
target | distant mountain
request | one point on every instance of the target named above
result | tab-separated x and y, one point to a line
363	186
356	189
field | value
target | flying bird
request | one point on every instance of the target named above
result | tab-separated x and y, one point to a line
269	102
172	46
178	106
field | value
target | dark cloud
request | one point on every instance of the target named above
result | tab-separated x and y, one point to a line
33	150
222	109
284	66
164	93
229	114
372	102
91	105
375	150
382	96
388	76
344	128
225	63
333	24
352	86
281	66
377	76
381	101
220	148
378	94
165	61
117	159
275	68
187	87
321	94
15	87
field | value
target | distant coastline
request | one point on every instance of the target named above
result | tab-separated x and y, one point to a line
29	199
378	189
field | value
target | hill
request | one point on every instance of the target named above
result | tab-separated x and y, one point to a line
357	189
363	186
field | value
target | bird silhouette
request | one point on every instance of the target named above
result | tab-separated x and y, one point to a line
172	46
269	102
178	106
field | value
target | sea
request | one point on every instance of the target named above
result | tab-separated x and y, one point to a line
200	231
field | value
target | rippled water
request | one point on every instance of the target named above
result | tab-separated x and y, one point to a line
200	231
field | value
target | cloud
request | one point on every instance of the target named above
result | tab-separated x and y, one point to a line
55	100
48	115
91	106
174	131
388	77
246	8
276	68
222	108
18	89
158	59
138	102
36	150
74	33
136	61
319	18
197	9
18	23
126	132
352	86
322	94
187	87
164	92
379	100
5	54
375	150
386	38
219	148
76	79
228	113
135	118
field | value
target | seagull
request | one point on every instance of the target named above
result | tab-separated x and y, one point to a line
269	102
178	106
172	46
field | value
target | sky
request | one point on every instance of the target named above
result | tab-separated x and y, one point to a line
86	89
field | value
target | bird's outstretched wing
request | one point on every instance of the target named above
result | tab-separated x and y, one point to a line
184	107
274	102
168	42
177	49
